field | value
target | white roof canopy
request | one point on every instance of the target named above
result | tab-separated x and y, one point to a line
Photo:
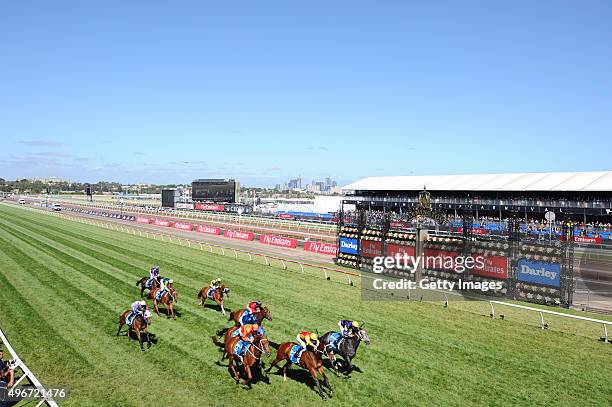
596	181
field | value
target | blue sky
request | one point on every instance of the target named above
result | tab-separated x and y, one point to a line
166	92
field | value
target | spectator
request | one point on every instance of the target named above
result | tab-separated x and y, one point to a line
7	375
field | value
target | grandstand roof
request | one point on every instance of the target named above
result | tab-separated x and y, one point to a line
596	181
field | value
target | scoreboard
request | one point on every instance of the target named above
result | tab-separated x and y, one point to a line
215	190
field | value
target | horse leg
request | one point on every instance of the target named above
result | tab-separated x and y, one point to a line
233	370
155	307
326	382
285	368
274	363
249	376
313	373
350	364
203	300
172	311
120	326
222	309
148	337
139	339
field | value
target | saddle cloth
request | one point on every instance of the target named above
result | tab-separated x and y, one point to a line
209	292
241	348
334	340
295	354
149	283
130	318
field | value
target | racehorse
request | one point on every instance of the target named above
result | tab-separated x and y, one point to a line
259	315
251	357
310	360
347	347
142	283
169	298
139	324
217	296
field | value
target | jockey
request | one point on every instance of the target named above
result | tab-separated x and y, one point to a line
306	338
164	284
216	283
248	331
253	306
154	272
139	307
346	327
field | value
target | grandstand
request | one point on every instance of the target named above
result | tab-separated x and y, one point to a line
583	197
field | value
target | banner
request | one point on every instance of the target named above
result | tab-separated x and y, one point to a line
494	266
161	222
393	249
349	245
278	241
539	272
586	239
323	248
398	225
143	220
211	230
371	248
183	226
209	207
285	216
184	205
475	231
236	234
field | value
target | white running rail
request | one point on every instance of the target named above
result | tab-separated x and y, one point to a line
27	373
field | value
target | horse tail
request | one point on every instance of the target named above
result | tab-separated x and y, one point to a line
216	342
222	331
274	344
138	282
231	316
200	294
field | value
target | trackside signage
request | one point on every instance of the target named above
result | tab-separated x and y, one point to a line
323	248
211	230
209	207
161	222
492	266
278	241
395	249
143	220
349	245
539	272
371	248
183	226
236	234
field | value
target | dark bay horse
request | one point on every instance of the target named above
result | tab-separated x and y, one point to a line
217	296
139	324
169	298
310	360
258	347
347	347
142	283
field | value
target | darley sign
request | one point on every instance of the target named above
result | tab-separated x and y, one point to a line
539	272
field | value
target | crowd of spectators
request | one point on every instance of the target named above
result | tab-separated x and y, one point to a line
533	225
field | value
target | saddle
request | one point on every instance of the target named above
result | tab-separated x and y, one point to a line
130	318
160	294
295	354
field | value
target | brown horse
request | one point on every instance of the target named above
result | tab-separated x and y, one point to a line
217	296
252	356
139	324
310	360
169	298
142	283
259	315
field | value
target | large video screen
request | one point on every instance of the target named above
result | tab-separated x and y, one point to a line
214	191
